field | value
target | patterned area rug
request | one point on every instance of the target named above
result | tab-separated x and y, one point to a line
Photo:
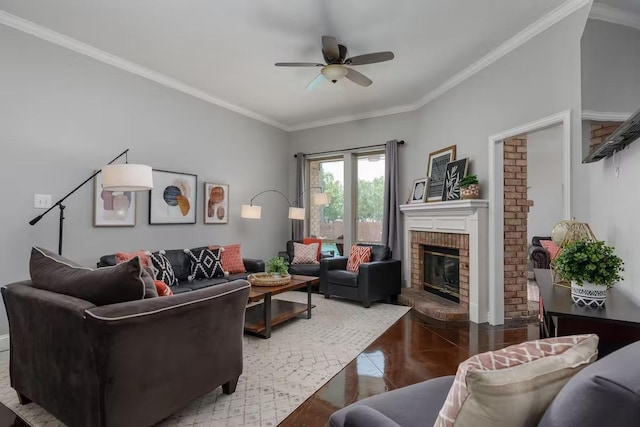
279	373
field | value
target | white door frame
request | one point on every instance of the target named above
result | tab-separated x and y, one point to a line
496	201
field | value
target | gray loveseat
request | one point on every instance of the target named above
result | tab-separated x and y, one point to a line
605	393
126	364
182	267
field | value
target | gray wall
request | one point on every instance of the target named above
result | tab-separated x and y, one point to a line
610	67
62	115
544	178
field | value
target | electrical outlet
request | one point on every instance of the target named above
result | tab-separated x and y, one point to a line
42	201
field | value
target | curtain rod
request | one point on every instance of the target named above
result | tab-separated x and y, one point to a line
347	149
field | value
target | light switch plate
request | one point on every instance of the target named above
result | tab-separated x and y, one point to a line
42	201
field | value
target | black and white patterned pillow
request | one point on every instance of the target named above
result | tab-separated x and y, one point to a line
205	263
165	270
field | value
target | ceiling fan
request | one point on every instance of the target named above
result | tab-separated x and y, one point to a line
335	56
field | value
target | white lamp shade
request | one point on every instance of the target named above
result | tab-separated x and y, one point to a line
321	199
127	177
251	212
296	213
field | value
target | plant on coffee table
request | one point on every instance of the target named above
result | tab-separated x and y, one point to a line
277	266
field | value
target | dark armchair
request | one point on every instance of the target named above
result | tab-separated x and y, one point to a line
377	280
539	256
302	269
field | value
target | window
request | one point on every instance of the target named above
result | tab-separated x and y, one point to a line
355	183
327	222
370	197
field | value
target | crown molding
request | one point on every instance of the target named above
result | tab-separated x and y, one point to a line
522	37
351	118
603	12
542	24
604	116
118	62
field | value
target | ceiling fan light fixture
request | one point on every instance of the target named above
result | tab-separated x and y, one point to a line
334	72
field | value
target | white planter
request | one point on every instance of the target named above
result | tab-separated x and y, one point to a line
588	294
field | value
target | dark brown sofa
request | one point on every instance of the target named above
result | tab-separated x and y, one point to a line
125	364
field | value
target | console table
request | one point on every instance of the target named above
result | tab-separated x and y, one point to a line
617	324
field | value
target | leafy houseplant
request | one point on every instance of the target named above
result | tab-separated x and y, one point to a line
469	187
468	180
589	261
592	267
277	265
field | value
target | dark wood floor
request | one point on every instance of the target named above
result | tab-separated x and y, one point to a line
413	349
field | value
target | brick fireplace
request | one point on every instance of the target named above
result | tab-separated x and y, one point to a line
455	230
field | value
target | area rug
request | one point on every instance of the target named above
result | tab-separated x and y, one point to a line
279	373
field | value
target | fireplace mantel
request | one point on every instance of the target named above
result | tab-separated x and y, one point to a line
459	217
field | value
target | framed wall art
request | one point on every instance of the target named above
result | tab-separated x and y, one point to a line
173	198
419	191
216	203
113	208
436	170
454	174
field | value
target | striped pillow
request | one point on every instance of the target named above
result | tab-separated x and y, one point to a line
358	255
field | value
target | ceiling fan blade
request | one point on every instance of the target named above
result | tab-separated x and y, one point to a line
298	64
358	78
343	52
330	49
315	83
370	58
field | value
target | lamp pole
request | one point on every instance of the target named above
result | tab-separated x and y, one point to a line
59	204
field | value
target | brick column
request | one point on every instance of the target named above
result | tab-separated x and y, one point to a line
516	208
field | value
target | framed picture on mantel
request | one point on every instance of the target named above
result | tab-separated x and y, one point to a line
437	170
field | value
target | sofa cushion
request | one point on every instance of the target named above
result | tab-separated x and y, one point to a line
148	277
231	258
180	262
378	252
126	256
514	386
551	247
343	277
605	393
205	283
108	285
164	267
358	255
205	263
181	288
305	254
305	269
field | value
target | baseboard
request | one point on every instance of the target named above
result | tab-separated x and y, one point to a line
4	342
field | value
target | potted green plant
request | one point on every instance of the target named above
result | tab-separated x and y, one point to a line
592	267
469	187
277	267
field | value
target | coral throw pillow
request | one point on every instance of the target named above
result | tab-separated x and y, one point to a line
551	247
145	261
358	255
231	258
305	254
514	386
309	241
162	288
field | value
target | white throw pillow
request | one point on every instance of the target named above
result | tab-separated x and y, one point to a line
305	254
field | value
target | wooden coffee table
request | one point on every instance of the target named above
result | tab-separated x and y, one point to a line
260	318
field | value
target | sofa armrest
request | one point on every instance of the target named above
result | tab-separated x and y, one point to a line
364	416
540	257
51	359
284	255
191	342
253	265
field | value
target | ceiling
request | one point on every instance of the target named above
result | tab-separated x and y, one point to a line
632	6
226	49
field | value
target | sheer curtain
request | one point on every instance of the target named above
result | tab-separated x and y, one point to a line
298	226
391	226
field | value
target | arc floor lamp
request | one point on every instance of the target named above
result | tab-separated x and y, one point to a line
115	177
252	211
